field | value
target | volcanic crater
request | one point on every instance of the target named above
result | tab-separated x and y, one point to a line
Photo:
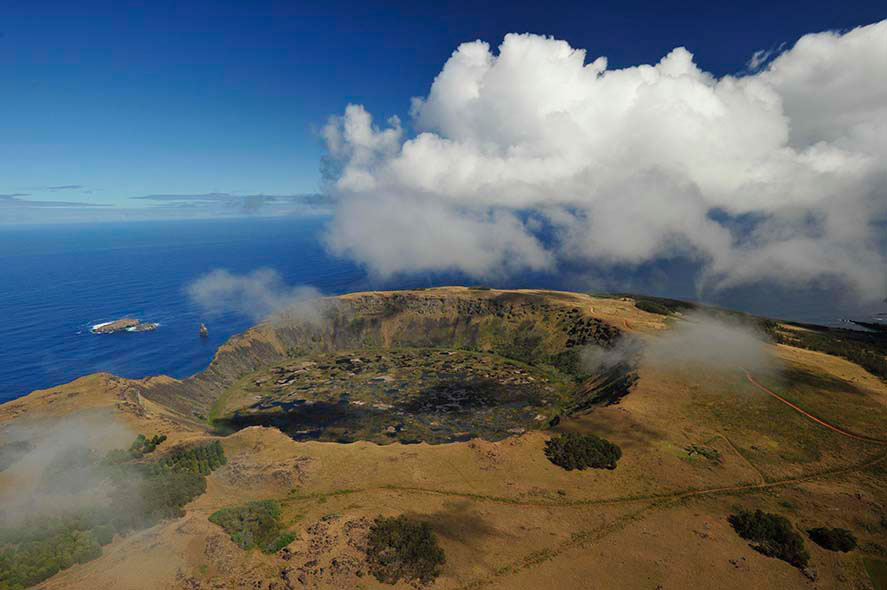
430	366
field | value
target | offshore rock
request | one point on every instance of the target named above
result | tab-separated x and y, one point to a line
127	324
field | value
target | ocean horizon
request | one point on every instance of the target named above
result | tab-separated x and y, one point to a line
59	281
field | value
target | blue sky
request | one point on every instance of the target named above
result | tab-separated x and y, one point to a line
101	102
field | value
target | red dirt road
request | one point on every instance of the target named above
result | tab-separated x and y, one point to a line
819	421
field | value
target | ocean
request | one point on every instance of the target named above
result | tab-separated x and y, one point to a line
56	282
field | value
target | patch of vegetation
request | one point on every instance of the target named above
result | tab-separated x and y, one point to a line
256	524
406	395
569	362
772	535
203	459
652	307
48	553
141	495
580	451
140	447
833	539
661	305
399	548
707	452
143	446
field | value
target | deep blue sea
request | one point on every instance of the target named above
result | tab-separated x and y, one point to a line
58	281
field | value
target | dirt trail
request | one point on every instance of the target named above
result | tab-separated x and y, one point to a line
816	419
742	457
675	495
582	538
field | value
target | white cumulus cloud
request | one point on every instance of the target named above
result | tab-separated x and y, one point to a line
777	175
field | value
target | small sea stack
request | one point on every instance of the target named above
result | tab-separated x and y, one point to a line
204	333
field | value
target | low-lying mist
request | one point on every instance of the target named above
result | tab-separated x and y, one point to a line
700	339
51	464
713	341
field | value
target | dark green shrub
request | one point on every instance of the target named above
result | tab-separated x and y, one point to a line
652	307
140	447
256	524
833	539
402	549
202	459
662	305
771	535
580	451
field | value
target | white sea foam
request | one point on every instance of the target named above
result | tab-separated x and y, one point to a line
136	328
97	326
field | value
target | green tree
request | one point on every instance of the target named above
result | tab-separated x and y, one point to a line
402	549
256	524
772	535
833	539
580	451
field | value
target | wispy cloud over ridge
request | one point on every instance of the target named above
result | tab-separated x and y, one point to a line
778	175
258	294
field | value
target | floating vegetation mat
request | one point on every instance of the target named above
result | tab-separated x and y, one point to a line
407	395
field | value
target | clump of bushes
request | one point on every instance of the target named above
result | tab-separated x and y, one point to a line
652	307
22	567
580	451
772	535
399	548
143	445
256	524
140	447
833	539
660	305
203	459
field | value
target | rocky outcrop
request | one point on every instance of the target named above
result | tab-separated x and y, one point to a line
126	324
